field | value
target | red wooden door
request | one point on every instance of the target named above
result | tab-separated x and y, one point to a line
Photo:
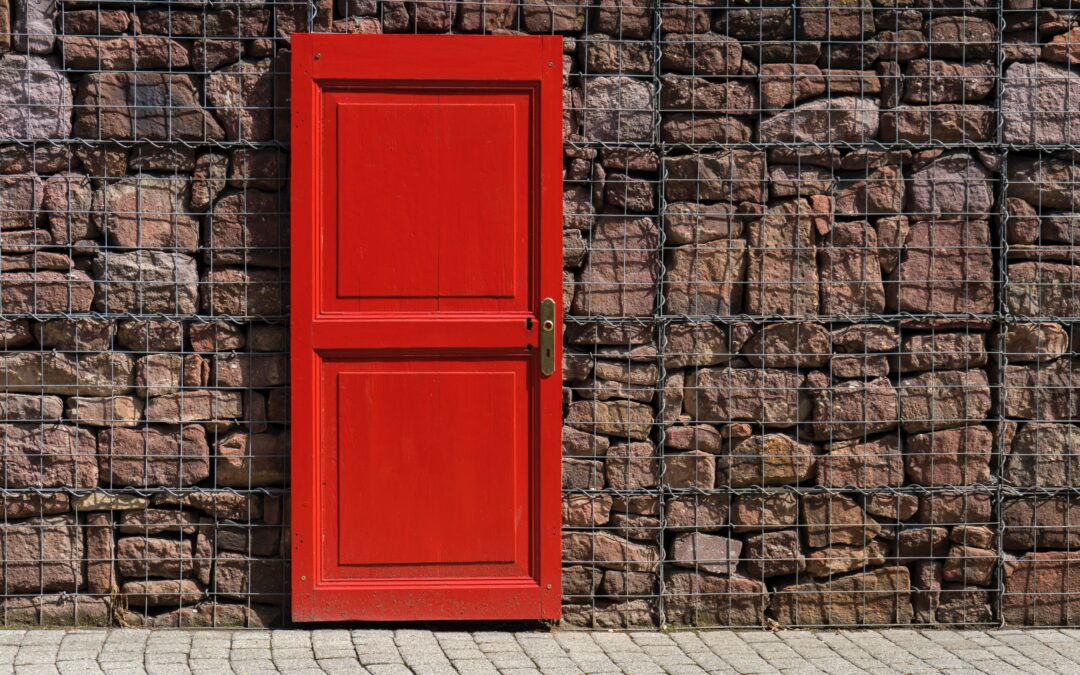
426	236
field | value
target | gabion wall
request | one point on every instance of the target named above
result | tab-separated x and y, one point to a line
820	284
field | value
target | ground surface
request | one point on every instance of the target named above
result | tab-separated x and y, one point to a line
420	651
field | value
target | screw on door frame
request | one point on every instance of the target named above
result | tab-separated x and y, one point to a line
318	55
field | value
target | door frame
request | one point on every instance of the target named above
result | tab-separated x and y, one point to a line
317	59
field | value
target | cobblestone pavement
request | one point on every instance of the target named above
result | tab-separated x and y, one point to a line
385	652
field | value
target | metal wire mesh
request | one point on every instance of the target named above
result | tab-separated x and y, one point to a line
820	298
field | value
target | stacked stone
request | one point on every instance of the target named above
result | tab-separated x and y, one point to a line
1039	115
822	418
143	209
783	339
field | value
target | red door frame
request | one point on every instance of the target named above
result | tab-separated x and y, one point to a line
318	59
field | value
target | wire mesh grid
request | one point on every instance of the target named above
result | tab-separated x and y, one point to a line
819	283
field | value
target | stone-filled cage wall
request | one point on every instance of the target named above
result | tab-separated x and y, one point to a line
821	292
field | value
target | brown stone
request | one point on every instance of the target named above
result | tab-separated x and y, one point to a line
941	122
936	81
100	568
692	598
145	281
577	443
696	470
730	175
168	108
42	555
769	397
242	99
947	267
705	552
954	508
770	459
695	344
582	474
1041	589
829	20
922	543
955	185
214	409
826	562
875	463
608	551
1044	455
553	16
941	351
684	92
45	292
585	510
892	506
1040	522
850	271
620	278
1039	104
247	460
150	457
788	345
881	596
632	466
580	580
159	374
21	201
950	457
244	292
962	37
160	592
782	274
153	557
865	338
851	409
705	279
696	512
970	565
1045	181
95	374
156	521
626	419
616	108
833	519
774	511
617	583
1042	289
251	579
877	192
785	83
218	504
858	366
123	53
701	54
694	223
34	408
250	228
772	554
844	119
943	400
47	456
106	411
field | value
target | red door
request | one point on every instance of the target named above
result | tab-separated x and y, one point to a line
426	394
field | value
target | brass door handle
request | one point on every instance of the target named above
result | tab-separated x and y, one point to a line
547	336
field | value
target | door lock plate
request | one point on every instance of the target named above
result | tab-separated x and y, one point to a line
547	336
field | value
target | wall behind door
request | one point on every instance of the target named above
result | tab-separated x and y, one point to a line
821	285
